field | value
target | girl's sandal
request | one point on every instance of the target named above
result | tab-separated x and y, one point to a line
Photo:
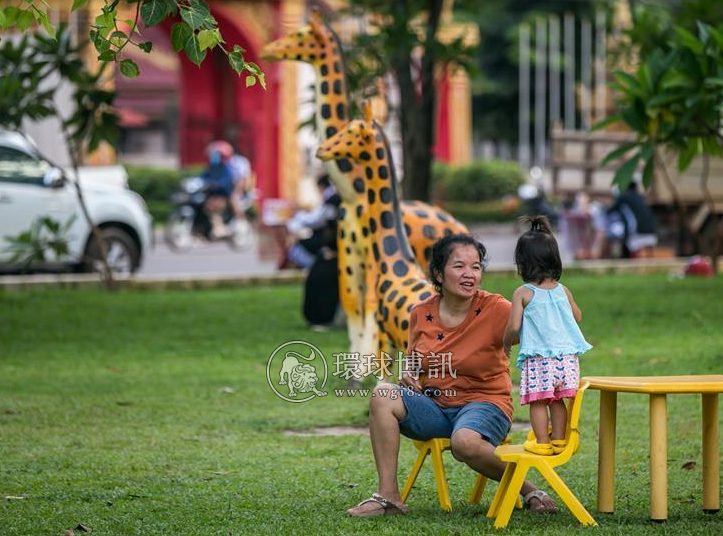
541	449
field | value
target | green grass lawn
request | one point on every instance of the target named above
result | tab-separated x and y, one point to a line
113	414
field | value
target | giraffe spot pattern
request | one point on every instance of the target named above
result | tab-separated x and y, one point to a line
365	156
429	232
392	296
344	165
325	111
391	246
324	88
387	219
324	70
385	286
371	196
385	194
340	111
330	131
358	186
384	268
401	301
383	172
400	268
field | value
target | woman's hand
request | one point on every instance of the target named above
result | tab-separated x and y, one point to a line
408	380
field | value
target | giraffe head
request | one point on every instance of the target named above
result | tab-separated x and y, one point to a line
310	44
356	140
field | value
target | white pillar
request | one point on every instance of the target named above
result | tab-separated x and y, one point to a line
554	56
586	73
524	155
600	74
569	71
540	90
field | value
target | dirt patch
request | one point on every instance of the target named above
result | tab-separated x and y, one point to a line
335	431
329	431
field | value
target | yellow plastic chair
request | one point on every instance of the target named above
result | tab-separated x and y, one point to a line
519	462
435	447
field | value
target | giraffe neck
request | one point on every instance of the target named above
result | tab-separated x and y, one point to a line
390	242
332	101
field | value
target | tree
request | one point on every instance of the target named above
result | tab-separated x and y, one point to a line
673	103
195	33
26	67
403	39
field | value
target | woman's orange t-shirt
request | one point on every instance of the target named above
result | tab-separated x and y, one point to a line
471	351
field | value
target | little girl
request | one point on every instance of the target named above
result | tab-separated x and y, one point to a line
544	319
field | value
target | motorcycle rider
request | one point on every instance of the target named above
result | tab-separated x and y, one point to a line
219	182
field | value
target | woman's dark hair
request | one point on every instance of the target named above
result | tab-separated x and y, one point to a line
442	250
537	256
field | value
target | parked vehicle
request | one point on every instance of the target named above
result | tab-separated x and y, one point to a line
32	188
188	222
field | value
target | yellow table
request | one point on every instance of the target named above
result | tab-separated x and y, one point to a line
658	387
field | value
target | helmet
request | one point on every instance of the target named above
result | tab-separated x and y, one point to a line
221	147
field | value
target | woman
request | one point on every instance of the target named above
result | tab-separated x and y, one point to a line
455	337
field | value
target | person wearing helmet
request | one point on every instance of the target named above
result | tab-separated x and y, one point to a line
219	181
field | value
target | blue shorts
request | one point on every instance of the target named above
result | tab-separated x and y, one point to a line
425	419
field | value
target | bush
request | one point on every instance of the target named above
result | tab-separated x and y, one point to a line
499	210
156	185
481	180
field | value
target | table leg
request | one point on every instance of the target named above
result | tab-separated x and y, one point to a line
658	459
606	452
711	476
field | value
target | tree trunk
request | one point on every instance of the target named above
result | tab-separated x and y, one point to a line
106	274
714	217
684	224
418	105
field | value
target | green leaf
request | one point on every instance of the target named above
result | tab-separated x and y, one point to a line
624	175
11	16
607	121
45	23
208	38
3	19
78	4
689	152
180	34
153	11
193	51
25	20
636	120
629	82
195	14
129	68
617	153
688	40
250	81
236	59
107	55
649	171
146	46
262	79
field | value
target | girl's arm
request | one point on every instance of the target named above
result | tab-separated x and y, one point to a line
576	312
512	331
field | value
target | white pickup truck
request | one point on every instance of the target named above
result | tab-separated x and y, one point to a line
30	188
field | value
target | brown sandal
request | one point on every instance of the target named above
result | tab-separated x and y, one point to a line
386	508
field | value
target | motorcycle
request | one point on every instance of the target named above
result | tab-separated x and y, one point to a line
188	223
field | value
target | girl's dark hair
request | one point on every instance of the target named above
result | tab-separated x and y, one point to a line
537	256
442	250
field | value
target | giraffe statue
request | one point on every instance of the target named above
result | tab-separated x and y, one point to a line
318	45
400	281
